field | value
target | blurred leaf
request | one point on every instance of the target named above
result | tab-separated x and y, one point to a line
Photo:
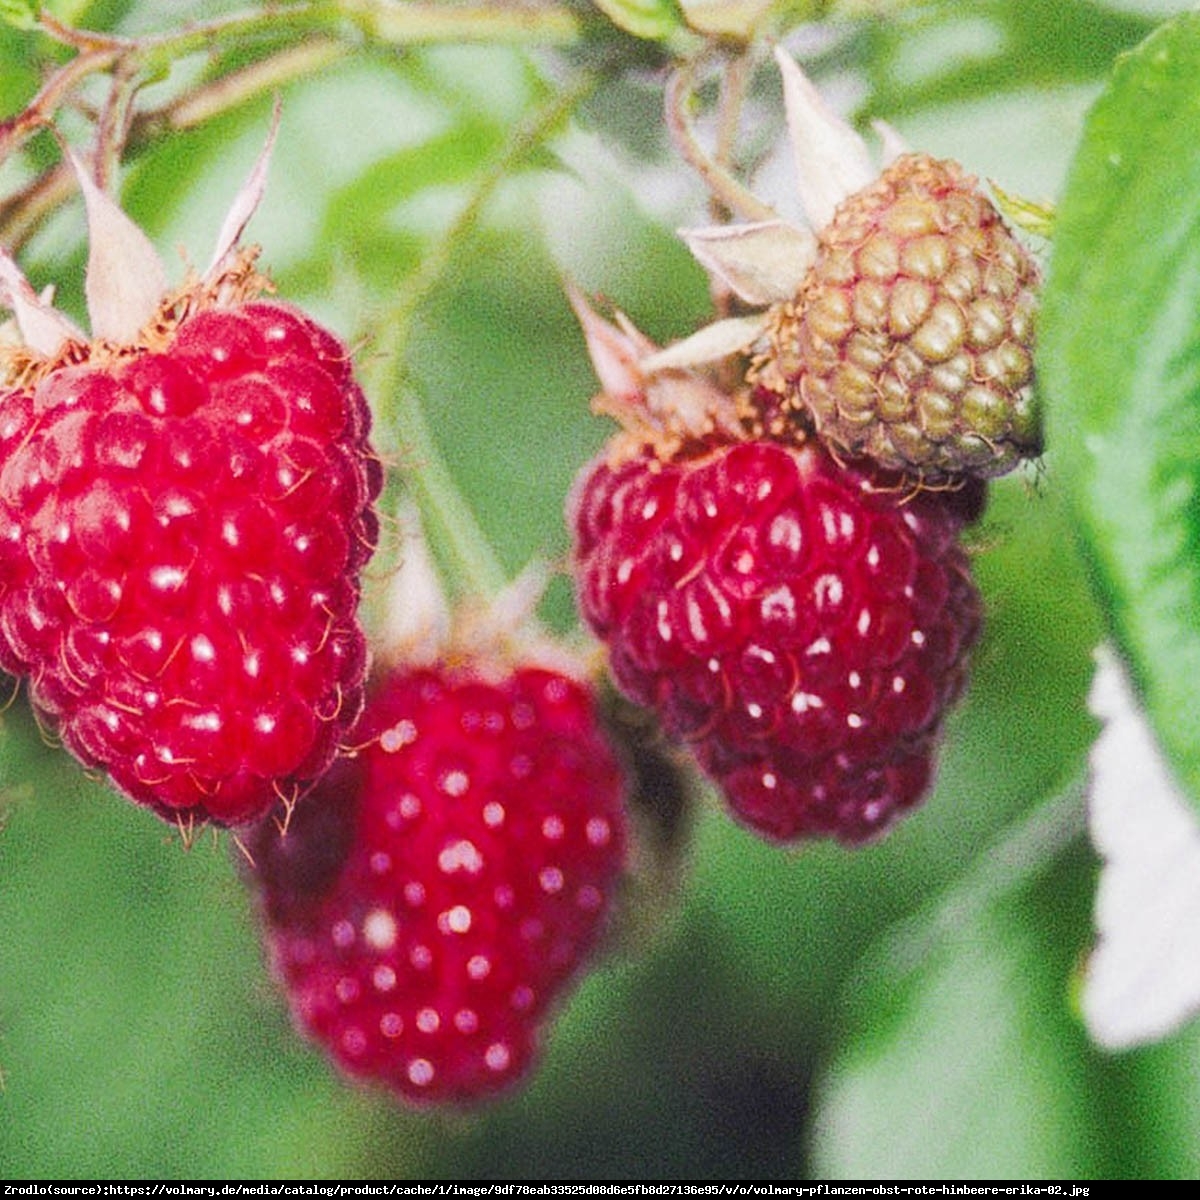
1120	361
947	52
956	1072
1143	979
726	18
18	74
652	19
20	14
140	1032
964	1061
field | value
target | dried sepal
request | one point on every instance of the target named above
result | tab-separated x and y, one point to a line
657	405
131	306
245	205
42	328
711	344
832	161
761	263
126	279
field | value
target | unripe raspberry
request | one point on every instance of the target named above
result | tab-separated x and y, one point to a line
911	340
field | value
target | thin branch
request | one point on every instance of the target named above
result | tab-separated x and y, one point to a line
443	506
734	195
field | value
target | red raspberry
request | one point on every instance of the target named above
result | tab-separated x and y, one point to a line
803	625
433	895
181	533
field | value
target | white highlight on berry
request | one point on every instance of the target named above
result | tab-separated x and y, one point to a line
428	1020
414	893
598	831
410	806
420	1072
455	920
498	1057
383	978
553	828
493	814
455	783
460	856
167	579
402	734
479	966
391	1024
379	929
779	604
551	879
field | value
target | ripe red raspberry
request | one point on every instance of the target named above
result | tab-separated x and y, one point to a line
182	526
803	625
911	338
435	894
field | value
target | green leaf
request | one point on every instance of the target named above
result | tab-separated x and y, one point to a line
21	14
1120	365
950	52
655	20
961	1058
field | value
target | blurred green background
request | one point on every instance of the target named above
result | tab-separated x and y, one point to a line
906	1010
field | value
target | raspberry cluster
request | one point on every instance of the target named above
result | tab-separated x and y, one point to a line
786	589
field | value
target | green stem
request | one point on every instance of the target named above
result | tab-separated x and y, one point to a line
279	28
445	511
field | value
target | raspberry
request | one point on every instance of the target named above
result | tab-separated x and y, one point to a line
802	625
434	894
181	531
911	340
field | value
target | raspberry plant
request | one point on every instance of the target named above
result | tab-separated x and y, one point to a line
418	209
